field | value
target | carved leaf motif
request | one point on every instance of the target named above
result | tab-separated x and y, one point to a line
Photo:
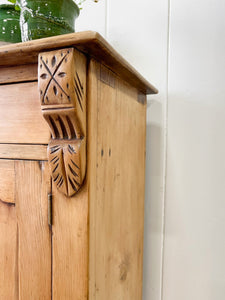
64	160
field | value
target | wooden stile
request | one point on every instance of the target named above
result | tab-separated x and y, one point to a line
8	252
34	253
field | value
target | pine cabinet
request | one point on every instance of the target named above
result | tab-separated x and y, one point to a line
72	171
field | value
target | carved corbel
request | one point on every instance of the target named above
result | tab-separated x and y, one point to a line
62	88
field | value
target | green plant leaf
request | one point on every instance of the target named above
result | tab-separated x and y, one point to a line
17	8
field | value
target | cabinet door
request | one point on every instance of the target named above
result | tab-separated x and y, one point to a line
25	237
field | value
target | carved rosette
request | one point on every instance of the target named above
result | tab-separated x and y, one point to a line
62	89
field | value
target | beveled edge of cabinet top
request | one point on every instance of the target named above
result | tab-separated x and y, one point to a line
89	42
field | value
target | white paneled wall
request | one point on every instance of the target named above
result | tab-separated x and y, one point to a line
194	252
93	17
179	46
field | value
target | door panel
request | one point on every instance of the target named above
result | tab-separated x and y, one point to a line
8	232
25	237
8	251
7	181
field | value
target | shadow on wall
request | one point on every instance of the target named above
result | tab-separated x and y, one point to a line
153	201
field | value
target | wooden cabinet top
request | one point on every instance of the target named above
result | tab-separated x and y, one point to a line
89	42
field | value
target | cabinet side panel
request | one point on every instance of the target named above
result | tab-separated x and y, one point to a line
32	188
117	208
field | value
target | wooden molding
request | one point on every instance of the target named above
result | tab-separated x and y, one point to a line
89	42
62	90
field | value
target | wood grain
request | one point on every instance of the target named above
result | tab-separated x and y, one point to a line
88	42
66	161
32	188
62	86
7	182
21	120
18	151
93	90
19	73
117	205
70	245
93	249
8	234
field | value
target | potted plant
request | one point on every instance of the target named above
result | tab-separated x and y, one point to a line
44	18
9	24
47	18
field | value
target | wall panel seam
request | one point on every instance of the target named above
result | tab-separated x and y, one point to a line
165	142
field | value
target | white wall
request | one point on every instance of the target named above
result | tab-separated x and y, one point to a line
194	252
179	46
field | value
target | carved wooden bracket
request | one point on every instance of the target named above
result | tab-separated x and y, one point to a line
62	88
